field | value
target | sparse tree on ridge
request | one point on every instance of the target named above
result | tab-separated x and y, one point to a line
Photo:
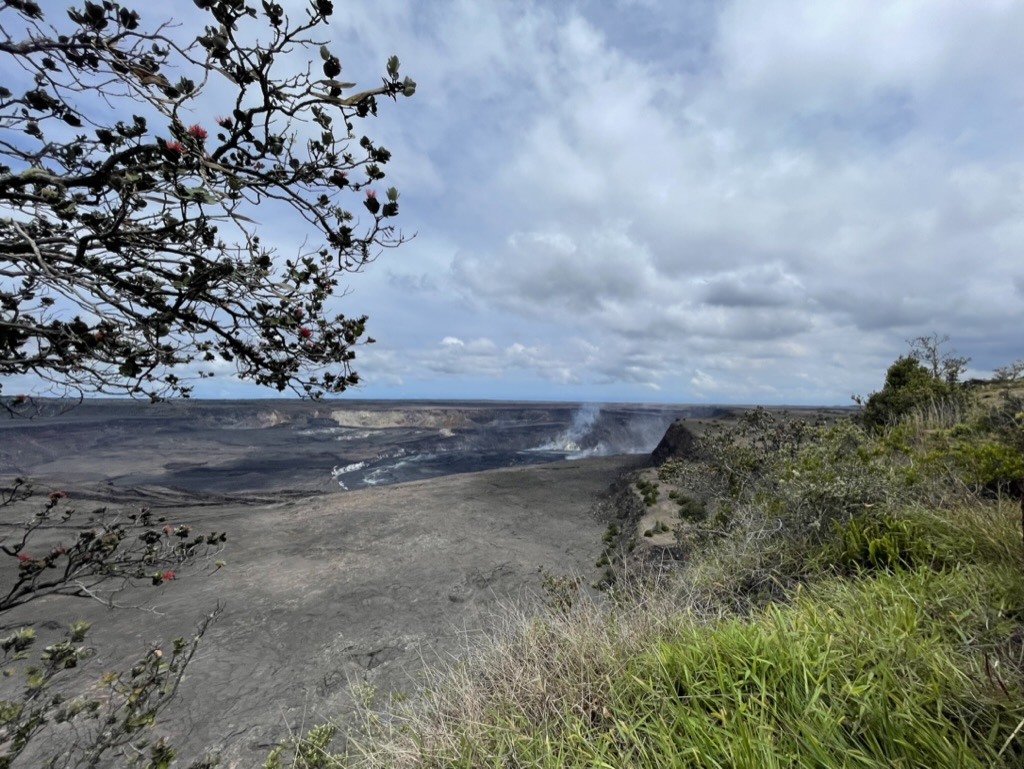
141	172
926	375
943	365
1009	373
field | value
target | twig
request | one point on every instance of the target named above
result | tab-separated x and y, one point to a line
1010	738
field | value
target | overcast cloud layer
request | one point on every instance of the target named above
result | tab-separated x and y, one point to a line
647	200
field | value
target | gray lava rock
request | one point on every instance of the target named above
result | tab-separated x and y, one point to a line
679	442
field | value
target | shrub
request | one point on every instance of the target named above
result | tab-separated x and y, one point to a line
838	472
610	533
306	751
648	491
740	458
1005	420
985	465
561	591
867	543
690	509
909	385
657	528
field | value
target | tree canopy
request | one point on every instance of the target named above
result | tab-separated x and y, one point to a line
143	169
927	375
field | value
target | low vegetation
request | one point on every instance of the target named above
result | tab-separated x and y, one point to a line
854	597
648	491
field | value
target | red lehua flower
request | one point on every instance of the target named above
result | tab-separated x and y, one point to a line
56	495
371	193
305	333
167	575
197	131
299	312
224	122
168	529
175	147
24	557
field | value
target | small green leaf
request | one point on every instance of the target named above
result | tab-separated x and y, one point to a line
393	67
79	629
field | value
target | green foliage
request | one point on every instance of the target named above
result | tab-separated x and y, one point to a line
648	491
609	541
909	385
658	528
48	710
690	509
983	464
823	683
101	556
926	378
671	469
835	474
741	459
1005	421
796	477
867	543
110	718
308	751
909	667
561	591
610	533
130	240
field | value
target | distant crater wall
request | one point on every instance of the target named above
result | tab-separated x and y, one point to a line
435	419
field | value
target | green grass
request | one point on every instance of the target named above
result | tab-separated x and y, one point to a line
871	673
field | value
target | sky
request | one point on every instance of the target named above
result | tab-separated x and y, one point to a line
699	201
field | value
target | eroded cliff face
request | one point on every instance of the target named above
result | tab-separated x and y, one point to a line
653	519
643	511
679	442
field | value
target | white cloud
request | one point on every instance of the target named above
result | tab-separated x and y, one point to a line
750	200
